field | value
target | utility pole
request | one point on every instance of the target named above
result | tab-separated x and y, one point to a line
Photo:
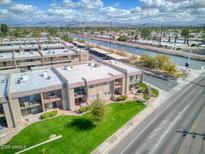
190	51
160	40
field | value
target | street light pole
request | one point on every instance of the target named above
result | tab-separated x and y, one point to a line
110	34
190	51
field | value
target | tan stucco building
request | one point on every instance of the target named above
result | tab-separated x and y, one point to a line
67	88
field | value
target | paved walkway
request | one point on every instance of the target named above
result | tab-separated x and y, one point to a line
106	146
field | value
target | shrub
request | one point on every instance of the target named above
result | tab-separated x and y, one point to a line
155	92
178	48
121	98
140	90
146	96
85	109
142	86
193	45
49	114
97	111
148	61
147	93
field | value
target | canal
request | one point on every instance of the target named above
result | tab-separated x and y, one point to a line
180	61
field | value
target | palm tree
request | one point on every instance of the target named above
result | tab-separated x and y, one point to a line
186	34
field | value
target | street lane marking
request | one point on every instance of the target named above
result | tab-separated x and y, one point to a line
156	118
179	116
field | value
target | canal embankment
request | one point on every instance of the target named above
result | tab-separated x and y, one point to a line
179	53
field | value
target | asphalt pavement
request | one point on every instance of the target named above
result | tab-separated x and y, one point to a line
166	85
157	134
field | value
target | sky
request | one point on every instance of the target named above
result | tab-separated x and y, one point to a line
118	11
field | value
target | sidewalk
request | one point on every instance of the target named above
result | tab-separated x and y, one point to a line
113	140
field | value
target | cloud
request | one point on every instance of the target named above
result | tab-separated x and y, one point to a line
23	8
5	2
159	11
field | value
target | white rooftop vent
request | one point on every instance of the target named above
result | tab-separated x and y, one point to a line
24	77
90	64
69	67
45	74
96	65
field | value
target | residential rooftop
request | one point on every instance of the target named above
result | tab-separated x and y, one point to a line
55	52
100	51
52	45
26	55
9	48
6	56
130	69
34	80
90	72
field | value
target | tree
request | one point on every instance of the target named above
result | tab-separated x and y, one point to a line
148	61
145	33
122	38
203	38
161	61
52	31
4	29
186	34
36	34
67	38
97	111
175	36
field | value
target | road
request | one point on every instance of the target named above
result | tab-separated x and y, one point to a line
166	85
157	133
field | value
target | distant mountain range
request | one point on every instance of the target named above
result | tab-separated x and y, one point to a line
101	24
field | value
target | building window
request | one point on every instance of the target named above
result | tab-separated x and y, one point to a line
93	97
30	104
107	94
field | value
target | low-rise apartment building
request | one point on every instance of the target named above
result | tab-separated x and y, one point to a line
19	41
26	56
68	88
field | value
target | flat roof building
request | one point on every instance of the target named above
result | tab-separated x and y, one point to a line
106	55
23	95
26	56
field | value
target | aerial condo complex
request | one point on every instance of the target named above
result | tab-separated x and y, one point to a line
27	53
102	77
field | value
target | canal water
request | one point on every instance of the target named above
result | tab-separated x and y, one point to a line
180	61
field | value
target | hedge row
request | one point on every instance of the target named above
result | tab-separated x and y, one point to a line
49	114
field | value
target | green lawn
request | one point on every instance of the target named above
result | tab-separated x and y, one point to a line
75	140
